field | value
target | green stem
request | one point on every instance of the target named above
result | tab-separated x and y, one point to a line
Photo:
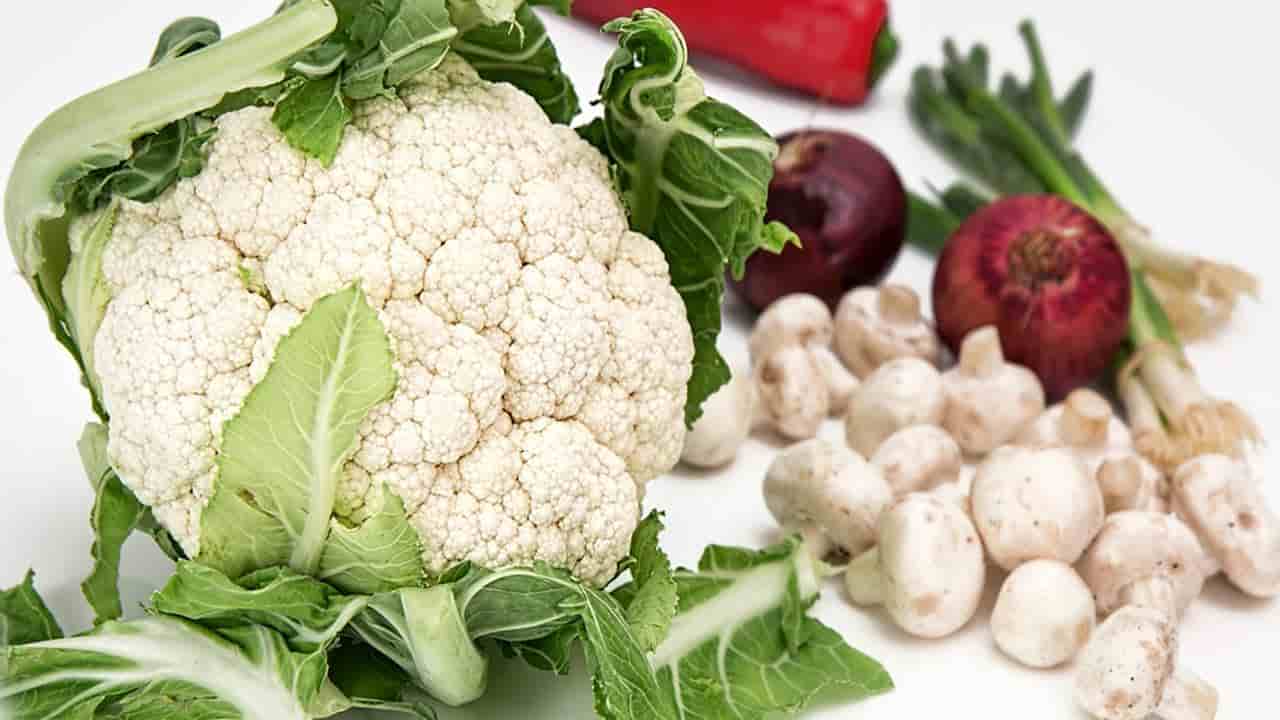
1037	155
883	54
1042	85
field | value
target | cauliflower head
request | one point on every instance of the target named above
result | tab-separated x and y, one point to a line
542	353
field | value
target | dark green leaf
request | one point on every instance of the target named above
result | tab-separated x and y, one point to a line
652	599
116	514
24	618
1075	105
553	653
522	54
158	161
369	680
929	224
185	36
313	118
417	37
307	613
694	174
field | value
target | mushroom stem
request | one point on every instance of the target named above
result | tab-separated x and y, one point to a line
1086	416
1187	697
899	304
863	579
981	354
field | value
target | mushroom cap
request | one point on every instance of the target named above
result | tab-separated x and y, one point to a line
1043	615
1035	504
931	565
876	325
1084	422
1122	673
796	319
726	421
841	384
919	458
1222	502
1130	482
988	401
791	393
1136	546
833	489
901	393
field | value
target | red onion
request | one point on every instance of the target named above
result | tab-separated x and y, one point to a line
1049	277
846	202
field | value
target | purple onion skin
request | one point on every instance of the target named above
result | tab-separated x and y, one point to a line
1050	278
845	200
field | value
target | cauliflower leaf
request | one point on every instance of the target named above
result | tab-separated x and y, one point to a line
285	452
521	53
159	667
694	173
116	514
24	618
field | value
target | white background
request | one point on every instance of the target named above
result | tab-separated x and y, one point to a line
1182	128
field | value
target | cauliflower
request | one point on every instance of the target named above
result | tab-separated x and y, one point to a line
541	350
540	304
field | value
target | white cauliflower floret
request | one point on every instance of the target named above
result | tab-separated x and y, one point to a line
541	352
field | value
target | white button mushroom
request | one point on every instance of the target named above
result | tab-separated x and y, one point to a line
1084	422
727	418
1043	615
904	392
798	319
792	396
841	384
876	325
918	458
1222	502
989	401
1131	482
818	488
1032	504
928	569
1138	547
1127	672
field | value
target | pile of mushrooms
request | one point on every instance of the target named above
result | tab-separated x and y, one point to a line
1103	554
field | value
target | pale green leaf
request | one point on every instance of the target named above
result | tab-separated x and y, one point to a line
285	452
24	618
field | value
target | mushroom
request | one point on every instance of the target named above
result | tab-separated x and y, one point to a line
901	393
1136	548
823	490
1043	615
927	571
727	418
793	398
1127	671
989	401
1222	502
918	458
1131	482
1084	422
798	319
841	384
876	325
1035	504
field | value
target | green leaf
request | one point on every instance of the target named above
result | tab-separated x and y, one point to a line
85	293
929	224
381	554
417	38
561	7
116	514
184	36
652	600
423	632
553	653
143	668
521	53
369	680
1075	104
313	118
743	645
693	172
285	452
24	618
307	613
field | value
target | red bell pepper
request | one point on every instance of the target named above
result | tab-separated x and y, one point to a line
835	49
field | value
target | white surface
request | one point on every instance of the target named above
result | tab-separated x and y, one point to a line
1183	129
